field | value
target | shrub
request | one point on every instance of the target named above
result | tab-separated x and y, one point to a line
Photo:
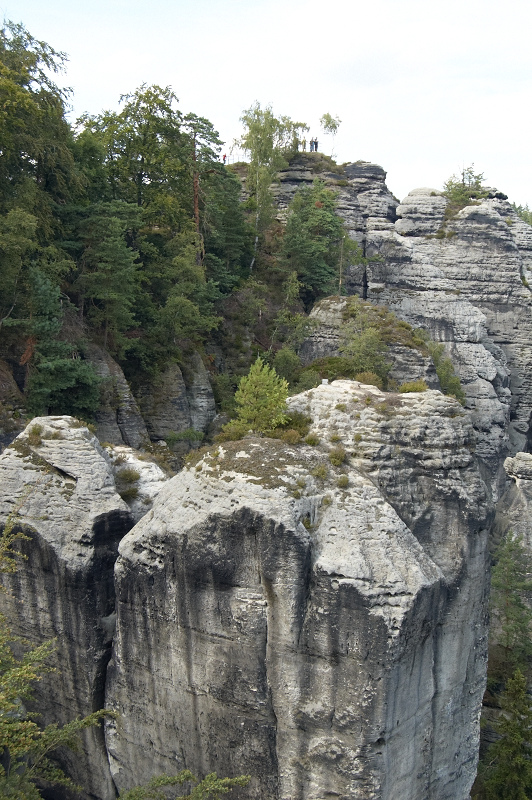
342	482
188	435
312	439
308	379
128	475
337	456
287	364
370	378
414	386
232	431
34	435
129	493
320	471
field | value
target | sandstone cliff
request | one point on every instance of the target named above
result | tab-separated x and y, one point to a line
321	628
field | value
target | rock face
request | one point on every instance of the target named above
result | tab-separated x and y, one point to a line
171	404
56	477
514	509
407	364
465	282
321	628
464	279
118	420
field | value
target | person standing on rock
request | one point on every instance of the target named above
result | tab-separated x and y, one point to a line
315	145
304	145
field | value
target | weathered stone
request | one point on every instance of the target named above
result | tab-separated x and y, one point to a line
118	419
325	639
171	403
200	395
57	480
164	404
138	492
407	364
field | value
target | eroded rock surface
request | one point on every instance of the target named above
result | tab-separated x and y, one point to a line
118	419
56	478
321	628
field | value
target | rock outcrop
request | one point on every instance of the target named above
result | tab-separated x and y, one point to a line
118	419
58	482
321	628
172	404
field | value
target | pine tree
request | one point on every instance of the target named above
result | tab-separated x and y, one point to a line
261	398
508	775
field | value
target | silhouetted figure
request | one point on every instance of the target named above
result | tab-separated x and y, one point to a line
304	145
315	145
224	157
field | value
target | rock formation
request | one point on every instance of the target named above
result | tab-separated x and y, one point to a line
59	482
321	628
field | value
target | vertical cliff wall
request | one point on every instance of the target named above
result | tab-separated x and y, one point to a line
324	638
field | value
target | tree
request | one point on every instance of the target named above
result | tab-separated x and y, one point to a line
209	787
314	241
510	645
330	125
36	163
464	190
268	140
508	774
261	398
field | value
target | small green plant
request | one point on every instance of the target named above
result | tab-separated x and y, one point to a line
290	436
301	482
320	472
414	386
368	400
370	378
35	435
129	493
190	435
326	500
128	475
335	437
357	437
341	407
312	439
342	482
337	456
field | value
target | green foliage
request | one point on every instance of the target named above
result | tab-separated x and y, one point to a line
261	398
523	212
190	435
449	381
287	364
209	787
370	378
337	456
510	642
508	774
342	482
414	386
315	242
464	190
362	341
330	124
269	141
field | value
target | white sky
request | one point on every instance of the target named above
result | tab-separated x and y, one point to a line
422	87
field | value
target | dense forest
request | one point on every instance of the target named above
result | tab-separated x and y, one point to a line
127	230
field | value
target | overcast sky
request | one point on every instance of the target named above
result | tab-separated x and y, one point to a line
422	88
